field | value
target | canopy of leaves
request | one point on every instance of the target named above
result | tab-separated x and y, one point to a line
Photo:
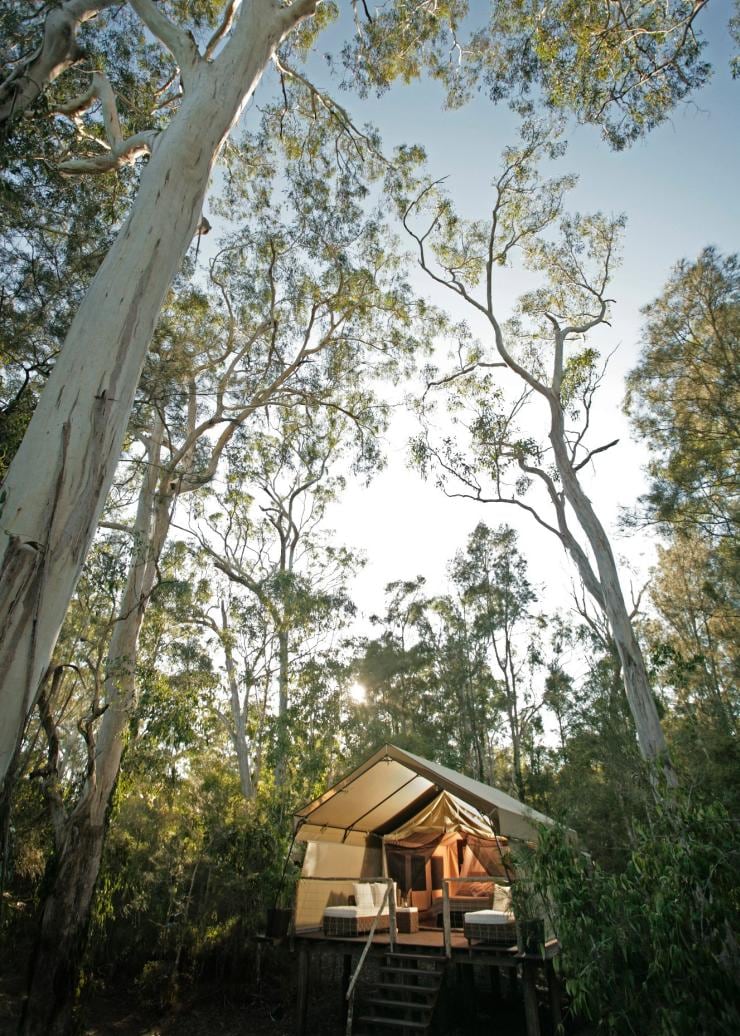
621	66
684	397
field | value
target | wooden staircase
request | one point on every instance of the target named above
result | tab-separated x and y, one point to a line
403	1000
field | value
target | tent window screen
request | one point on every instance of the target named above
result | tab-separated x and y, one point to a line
489	855
408	870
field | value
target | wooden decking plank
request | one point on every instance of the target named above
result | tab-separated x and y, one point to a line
391	1023
424	991
405	1005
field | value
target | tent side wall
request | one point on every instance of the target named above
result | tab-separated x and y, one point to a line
332	860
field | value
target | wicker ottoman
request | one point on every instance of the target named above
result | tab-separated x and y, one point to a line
407	920
494	927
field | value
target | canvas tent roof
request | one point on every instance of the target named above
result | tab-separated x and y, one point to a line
392	786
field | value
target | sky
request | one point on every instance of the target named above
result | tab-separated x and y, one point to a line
678	188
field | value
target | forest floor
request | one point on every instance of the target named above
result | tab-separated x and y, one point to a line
121	1014
208	1009
213	1015
202	1016
224	1009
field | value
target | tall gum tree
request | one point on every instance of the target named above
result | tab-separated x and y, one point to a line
637	62
544	346
491	575
73	441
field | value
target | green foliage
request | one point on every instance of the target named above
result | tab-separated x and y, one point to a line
494	457
595	781
190	866
448	674
683	397
53	236
188	874
621	68
653	948
734	27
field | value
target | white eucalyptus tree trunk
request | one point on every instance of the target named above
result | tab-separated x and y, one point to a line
58	482
650	735
80	834
238	713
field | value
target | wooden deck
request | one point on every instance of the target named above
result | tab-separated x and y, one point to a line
431	941
428	938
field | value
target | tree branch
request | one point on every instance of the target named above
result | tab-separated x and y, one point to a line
57	52
180	44
223	29
120	151
592	453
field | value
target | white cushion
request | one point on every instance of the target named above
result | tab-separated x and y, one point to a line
364	896
378	890
344	911
350	911
502	898
488	917
407	910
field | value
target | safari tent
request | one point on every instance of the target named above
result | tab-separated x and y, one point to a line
401	817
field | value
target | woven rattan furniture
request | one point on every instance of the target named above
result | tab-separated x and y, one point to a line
407	919
458	906
494	927
350	921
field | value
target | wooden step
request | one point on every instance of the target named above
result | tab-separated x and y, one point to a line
426	972
406	1005
401	987
405	997
415	958
374	1021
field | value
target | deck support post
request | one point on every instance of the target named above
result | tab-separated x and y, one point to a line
258	967
494	984
531	1014
446	918
467	974
302	996
553	991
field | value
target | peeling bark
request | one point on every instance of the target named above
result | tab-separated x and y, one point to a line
74	439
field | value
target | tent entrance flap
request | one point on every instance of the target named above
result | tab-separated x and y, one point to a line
446	839
446	814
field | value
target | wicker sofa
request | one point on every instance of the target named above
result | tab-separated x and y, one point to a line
356	918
